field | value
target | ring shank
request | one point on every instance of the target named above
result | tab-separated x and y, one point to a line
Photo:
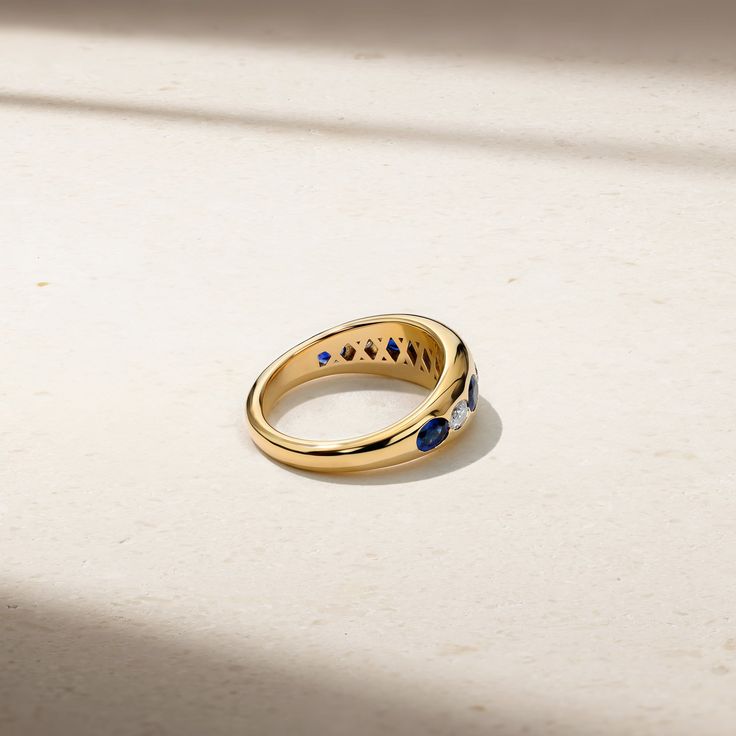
406	347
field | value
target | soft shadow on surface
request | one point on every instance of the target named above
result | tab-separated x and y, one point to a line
78	669
526	143
658	32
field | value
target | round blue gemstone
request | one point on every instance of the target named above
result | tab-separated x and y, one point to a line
432	434
473	393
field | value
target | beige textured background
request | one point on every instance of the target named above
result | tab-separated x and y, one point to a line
187	190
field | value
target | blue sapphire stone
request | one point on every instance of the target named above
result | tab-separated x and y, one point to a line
323	358
392	348
432	434
473	393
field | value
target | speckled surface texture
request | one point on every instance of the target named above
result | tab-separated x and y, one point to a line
180	208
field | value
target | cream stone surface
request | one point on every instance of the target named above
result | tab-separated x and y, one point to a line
177	210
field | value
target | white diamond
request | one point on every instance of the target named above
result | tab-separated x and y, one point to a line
459	414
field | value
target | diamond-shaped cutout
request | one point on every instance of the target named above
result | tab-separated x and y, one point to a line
370	349
348	352
426	360
392	349
323	358
411	351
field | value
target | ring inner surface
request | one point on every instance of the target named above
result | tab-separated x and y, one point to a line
393	349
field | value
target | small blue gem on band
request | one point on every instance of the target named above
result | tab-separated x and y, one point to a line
432	434
323	358
473	393
392	348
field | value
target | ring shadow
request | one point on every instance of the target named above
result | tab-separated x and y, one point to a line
482	434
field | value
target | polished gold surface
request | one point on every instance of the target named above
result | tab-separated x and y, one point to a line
407	347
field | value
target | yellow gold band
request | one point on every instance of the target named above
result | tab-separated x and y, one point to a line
402	346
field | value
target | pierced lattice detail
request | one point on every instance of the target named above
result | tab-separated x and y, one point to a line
385	349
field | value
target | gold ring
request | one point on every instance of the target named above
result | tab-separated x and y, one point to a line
402	346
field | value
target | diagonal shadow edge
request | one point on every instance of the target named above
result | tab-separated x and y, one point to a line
701	157
78	668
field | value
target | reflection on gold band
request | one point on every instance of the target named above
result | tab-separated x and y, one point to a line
403	346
